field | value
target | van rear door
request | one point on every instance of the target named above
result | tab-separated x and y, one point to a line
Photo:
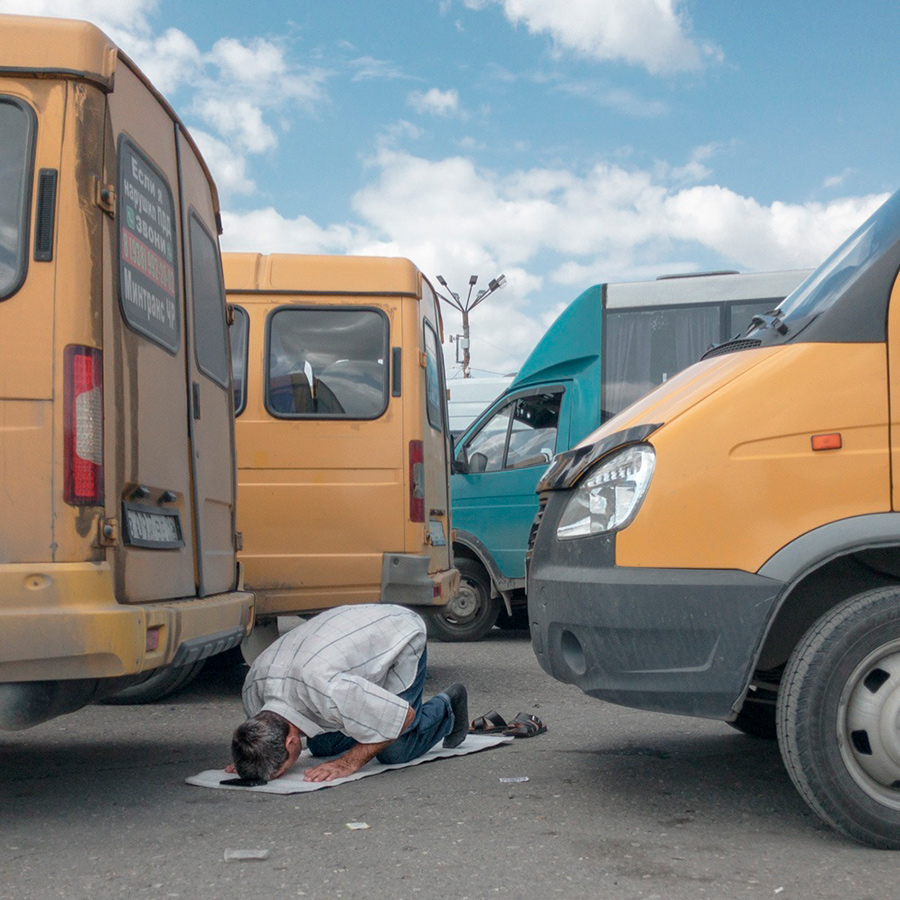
435	437
210	422
148	365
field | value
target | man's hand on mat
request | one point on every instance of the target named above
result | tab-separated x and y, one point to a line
352	761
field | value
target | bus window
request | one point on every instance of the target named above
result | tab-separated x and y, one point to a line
239	335
327	363
16	152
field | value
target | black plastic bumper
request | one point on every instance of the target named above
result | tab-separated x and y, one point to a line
672	640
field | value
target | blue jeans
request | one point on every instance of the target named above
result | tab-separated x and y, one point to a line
433	721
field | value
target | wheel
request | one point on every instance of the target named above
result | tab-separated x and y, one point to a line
160	684
472	613
757	720
839	718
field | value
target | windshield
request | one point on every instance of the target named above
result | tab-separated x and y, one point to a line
846	267
16	137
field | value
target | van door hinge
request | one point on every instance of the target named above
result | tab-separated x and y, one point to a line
238	540
105	197
108	532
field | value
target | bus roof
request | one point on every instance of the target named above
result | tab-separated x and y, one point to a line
63	47
704	288
295	273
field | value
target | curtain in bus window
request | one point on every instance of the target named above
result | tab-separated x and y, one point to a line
626	365
239	336
644	348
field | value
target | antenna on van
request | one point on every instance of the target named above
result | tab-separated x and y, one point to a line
462	340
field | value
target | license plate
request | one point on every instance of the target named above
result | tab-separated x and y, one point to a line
158	528
437	533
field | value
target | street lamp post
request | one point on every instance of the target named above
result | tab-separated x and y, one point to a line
465	308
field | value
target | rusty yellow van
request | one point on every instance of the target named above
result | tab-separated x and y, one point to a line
117	479
342	434
729	546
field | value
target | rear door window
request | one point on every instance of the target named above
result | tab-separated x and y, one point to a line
210	340
239	333
327	363
17	128
434	391
148	283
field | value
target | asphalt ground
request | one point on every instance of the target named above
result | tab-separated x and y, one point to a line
618	804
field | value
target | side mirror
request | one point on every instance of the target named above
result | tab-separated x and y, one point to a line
459	462
478	462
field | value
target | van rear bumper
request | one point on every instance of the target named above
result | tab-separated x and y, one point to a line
62	621
405	579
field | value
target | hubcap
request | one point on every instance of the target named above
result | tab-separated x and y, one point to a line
869	725
464	605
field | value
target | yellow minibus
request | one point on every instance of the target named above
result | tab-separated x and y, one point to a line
342	436
117	477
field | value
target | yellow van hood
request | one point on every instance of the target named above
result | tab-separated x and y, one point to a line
682	392
637	422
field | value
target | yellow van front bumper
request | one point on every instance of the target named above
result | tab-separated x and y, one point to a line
62	621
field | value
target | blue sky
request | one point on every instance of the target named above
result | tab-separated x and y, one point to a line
560	142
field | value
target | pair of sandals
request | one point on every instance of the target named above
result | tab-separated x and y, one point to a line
524	725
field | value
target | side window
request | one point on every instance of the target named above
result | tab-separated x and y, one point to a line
433	381
327	363
532	439
148	287
643	348
239	332
210	339
16	161
486	449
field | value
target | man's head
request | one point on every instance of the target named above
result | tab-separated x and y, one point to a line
265	746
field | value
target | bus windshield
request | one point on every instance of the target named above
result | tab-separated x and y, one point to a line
840	271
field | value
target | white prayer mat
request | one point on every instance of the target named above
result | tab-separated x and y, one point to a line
293	783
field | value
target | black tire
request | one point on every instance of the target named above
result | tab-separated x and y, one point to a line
757	720
472	613
160	684
836	729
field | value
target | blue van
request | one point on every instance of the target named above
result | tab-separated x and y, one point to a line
608	348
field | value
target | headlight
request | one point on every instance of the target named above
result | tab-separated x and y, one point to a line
609	498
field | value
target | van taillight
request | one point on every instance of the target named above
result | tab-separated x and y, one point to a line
83	426
416	481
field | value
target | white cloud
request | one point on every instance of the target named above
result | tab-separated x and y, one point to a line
650	33
435	102
368	68
240	120
608	223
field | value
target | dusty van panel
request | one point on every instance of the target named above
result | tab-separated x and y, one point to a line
108	572
341	432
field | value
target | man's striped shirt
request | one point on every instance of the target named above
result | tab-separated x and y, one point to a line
341	671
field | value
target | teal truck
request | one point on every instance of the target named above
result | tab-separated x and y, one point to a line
608	348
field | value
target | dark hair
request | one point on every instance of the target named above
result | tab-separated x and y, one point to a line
258	745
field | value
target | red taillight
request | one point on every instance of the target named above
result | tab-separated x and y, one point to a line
83	423
416	481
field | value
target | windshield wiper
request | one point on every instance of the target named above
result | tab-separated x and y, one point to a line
769	320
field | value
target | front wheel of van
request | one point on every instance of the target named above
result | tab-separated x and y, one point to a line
160	684
838	710
472	613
